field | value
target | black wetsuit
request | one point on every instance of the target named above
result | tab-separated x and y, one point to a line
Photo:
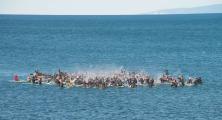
33	79
40	81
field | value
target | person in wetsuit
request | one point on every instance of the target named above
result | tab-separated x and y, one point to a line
181	80
33	79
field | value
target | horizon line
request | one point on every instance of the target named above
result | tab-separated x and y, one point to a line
154	14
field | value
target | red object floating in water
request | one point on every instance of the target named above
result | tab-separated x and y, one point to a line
16	78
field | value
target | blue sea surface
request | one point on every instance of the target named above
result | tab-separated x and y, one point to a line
188	44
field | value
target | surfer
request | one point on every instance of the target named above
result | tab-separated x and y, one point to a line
197	81
190	80
141	80
181	80
174	83
151	83
40	81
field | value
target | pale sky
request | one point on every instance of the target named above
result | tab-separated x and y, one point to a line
95	7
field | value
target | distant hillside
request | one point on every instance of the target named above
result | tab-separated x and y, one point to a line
203	9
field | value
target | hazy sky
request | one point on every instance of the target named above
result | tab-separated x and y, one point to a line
76	7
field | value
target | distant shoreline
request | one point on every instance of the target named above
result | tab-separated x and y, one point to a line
107	15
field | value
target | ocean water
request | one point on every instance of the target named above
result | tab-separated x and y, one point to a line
188	44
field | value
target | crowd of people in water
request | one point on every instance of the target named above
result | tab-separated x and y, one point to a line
121	78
